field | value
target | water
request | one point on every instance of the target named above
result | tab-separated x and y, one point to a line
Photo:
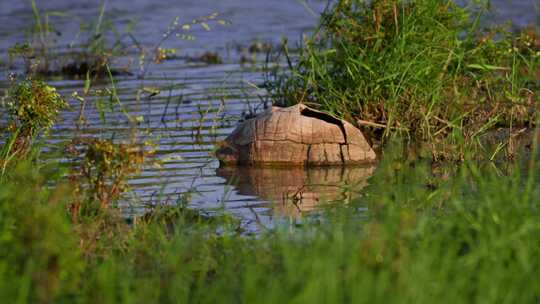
521	13
199	104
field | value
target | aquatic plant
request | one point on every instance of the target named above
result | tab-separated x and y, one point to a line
101	174
180	30
100	45
32	107
424	70
163	54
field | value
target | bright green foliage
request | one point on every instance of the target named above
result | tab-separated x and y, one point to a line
39	257
419	239
423	69
33	106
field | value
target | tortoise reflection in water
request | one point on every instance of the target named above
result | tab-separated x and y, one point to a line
295	190
295	135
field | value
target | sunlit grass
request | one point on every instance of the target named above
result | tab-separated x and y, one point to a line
471	238
424	70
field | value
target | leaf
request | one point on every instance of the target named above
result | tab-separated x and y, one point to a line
486	67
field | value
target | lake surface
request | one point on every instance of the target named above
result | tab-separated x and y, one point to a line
199	104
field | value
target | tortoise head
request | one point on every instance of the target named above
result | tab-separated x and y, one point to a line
227	154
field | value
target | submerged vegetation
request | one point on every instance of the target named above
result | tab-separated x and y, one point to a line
423	231
426	70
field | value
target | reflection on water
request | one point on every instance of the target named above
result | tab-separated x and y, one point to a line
295	190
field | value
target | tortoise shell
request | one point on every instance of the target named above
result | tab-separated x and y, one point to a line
295	135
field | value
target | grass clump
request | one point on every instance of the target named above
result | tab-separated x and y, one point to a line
32	107
426	70
39	256
473	238
102	171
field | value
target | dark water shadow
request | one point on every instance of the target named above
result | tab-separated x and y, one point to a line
293	191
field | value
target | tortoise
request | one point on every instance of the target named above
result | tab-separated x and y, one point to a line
296	135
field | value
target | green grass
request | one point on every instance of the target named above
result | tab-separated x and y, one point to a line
31	109
471	238
424	70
